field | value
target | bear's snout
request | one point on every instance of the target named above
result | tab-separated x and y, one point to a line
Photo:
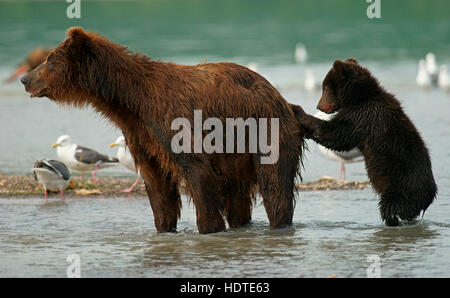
24	80
34	84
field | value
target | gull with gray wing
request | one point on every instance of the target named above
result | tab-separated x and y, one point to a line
82	159
52	174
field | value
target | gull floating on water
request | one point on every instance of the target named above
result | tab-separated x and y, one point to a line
423	78
125	158
52	174
310	81
82	159
444	81
432	68
344	157
301	55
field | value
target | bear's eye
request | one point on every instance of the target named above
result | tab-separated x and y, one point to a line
51	60
51	57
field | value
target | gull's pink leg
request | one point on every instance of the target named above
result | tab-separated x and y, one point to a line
62	195
342	172
94	175
133	186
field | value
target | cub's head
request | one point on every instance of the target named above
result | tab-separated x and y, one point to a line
346	84
61	76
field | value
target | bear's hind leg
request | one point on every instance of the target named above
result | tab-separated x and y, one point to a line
276	186
406	209
207	199
389	209
238	207
402	206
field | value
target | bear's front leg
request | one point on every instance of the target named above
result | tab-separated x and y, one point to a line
163	195
166	204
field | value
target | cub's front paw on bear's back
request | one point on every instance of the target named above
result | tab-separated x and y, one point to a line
304	119
299	113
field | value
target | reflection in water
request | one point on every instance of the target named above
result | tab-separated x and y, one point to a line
226	254
410	234
387	240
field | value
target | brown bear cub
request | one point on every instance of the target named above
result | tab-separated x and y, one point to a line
371	119
143	97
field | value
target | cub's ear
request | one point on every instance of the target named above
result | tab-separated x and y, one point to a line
351	60
340	67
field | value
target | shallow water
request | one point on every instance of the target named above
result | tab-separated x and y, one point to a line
333	233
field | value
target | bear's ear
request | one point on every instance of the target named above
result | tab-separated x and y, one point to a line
78	38
76	34
340	67
351	60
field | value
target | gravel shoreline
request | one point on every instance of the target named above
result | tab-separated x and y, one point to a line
25	186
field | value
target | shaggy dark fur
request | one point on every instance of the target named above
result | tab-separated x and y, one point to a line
142	97
371	119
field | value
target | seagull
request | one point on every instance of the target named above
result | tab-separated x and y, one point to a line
33	60
300	53
432	68
423	78
125	158
344	157
80	158
253	66
443	81
310	81
51	174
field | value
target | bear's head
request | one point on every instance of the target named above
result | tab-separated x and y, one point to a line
63	75
347	83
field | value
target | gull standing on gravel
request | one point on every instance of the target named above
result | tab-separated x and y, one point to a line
125	158
52	174
82	159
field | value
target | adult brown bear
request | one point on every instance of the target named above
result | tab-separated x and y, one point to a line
142	97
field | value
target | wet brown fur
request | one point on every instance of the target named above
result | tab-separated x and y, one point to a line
370	118
142	97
